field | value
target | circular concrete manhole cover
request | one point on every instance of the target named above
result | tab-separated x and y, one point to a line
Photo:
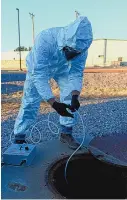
87	178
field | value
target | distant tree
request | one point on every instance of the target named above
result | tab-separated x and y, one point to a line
30	48
22	48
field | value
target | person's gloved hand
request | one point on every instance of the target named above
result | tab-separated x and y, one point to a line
75	103
61	109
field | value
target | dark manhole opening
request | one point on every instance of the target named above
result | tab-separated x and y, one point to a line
88	178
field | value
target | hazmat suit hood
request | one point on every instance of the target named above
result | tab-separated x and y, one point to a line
77	35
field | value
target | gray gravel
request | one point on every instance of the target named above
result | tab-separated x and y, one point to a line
100	117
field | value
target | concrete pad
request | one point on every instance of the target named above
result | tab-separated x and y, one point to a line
29	182
112	149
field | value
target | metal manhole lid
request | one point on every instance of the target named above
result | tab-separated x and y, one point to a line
112	149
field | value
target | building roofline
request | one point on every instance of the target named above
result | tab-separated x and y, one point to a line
109	39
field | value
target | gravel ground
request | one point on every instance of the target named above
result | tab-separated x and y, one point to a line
103	108
100	117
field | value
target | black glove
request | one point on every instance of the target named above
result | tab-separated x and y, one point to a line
75	103
61	109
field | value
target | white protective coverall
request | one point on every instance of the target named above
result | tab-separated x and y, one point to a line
47	60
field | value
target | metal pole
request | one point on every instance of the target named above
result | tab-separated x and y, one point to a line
105	51
19	39
32	17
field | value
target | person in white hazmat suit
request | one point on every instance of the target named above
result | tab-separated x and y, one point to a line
59	53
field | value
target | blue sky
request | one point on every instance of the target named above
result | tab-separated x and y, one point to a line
108	18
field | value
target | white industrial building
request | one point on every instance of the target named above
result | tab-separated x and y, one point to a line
102	52
13	55
107	52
